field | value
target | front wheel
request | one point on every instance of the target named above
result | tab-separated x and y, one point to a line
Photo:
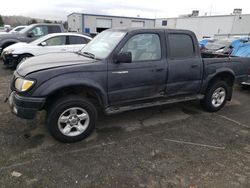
216	96
71	118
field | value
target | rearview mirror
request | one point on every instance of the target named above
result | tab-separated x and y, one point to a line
43	44
30	34
124	57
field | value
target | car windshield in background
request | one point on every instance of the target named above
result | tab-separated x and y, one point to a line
103	44
26	29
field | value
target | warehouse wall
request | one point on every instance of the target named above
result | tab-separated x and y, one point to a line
89	21
210	25
75	22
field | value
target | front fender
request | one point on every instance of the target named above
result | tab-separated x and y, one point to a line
5	41
55	84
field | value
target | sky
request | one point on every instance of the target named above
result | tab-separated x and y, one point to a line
59	9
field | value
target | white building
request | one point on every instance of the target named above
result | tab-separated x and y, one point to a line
91	23
210	26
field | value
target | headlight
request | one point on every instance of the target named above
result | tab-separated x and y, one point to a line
22	84
8	51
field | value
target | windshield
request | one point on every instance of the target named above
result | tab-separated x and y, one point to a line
26	29
103	44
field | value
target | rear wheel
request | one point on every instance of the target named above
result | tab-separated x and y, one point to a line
71	118
216	96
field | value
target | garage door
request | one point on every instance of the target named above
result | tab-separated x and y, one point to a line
137	24
103	23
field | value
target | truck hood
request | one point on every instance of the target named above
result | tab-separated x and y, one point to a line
50	61
10	35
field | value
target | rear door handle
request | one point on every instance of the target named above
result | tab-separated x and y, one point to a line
159	70
194	66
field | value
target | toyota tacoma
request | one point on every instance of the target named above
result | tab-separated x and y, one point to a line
121	70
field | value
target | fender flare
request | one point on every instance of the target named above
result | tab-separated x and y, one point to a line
4	41
56	84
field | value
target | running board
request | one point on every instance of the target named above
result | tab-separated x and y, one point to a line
119	109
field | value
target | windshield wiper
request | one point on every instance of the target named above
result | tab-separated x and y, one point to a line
88	54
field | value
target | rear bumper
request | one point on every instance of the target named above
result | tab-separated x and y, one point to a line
25	107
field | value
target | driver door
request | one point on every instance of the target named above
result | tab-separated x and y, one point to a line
55	44
144	77
36	32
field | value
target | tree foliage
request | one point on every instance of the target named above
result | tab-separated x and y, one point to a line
1	21
32	21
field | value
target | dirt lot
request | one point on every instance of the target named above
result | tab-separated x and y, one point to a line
176	145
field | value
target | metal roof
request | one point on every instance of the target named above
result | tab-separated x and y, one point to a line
109	16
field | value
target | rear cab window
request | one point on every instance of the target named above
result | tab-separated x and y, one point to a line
180	46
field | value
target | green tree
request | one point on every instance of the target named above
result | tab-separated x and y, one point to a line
47	21
1	21
65	24
32	21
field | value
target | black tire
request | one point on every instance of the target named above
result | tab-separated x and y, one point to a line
60	106
207	101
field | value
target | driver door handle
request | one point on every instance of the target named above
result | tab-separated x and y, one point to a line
120	72
159	70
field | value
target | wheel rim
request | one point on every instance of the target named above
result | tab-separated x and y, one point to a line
218	97
73	121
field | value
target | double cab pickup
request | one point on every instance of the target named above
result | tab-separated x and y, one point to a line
121	70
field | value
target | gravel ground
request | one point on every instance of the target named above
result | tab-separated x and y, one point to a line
176	145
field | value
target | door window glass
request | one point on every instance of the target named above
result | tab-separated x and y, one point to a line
77	40
144	47
39	31
56	41
181	46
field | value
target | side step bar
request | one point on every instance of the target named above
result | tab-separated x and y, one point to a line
119	109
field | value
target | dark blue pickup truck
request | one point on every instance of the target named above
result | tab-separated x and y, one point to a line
121	70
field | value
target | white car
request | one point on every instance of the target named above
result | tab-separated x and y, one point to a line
17	29
56	42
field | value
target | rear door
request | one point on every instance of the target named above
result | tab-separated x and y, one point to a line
145	77
184	63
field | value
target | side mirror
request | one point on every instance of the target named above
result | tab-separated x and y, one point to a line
124	57
43	44
30	34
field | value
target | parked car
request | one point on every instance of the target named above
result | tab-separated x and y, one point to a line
203	42
121	70
224	46
28	34
17	29
56	42
14	30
